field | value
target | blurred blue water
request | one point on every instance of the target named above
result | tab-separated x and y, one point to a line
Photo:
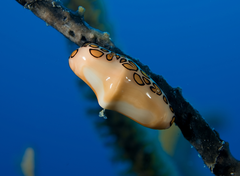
193	44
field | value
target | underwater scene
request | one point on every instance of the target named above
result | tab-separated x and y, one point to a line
50	120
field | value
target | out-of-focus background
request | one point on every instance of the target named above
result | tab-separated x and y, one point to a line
43	105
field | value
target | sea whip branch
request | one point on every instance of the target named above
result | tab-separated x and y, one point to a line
214	151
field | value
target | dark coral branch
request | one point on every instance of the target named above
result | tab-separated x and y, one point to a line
214	151
69	23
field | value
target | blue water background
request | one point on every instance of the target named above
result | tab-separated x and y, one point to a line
192	44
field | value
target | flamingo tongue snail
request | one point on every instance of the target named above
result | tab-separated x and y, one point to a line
121	85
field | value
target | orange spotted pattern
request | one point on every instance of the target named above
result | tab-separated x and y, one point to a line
96	53
130	66
74	53
137	78
141	78
109	56
123	60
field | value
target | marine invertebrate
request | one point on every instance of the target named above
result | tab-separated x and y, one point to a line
121	85
214	151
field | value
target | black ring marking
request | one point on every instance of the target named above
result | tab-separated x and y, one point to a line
92	52
165	99
104	50
86	44
93	46
117	56
123	60
74	53
131	66
171	108
137	78
173	119
144	73
109	57
147	81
